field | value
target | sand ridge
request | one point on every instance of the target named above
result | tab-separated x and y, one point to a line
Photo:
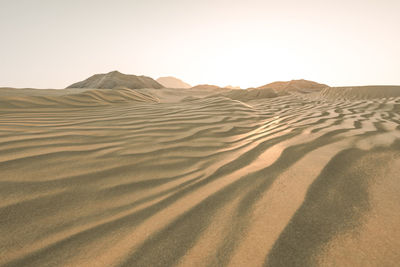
15	99
172	82
361	92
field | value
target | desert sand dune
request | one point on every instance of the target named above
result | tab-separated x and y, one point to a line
31	98
251	94
232	87
163	178
275	89
295	85
361	92
172	82
209	87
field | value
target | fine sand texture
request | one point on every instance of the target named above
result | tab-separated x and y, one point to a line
164	177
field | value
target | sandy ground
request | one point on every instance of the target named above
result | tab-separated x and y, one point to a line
175	178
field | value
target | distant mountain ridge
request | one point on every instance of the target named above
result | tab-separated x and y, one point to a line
172	82
116	79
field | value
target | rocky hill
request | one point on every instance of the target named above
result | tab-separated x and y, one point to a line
117	79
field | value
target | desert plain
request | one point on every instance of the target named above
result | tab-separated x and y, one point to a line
294	176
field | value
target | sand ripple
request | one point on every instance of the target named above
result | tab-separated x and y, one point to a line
290	181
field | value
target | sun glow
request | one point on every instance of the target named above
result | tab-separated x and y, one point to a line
246	43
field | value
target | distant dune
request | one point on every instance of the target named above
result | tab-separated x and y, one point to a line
295	85
117	79
361	92
275	89
215	87
172	82
232	87
250	94
206	86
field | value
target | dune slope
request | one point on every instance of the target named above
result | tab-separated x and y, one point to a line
207	87
11	98
251	94
274	89
361	92
295	85
285	181
172	82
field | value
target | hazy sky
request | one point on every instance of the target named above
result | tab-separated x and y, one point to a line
53	43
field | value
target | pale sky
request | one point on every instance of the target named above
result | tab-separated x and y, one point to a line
53	43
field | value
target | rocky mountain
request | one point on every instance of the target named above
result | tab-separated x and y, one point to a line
117	79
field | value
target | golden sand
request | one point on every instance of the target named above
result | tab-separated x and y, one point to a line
193	178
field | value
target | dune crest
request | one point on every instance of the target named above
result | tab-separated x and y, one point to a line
172	82
206	86
232	87
68	98
275	89
295	85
